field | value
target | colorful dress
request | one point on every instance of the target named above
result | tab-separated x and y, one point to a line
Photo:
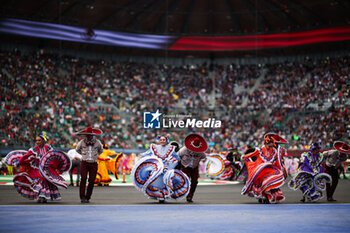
221	167
155	176
106	164
215	165
32	183
228	173
265	175
310	179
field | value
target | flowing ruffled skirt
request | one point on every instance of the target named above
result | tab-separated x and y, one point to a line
44	181
13	157
149	176
264	182
32	185
228	173
311	185
106	166
215	166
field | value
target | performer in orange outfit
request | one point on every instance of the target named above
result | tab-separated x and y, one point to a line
105	164
265	176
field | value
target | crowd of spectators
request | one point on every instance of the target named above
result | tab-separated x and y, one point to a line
233	83
61	95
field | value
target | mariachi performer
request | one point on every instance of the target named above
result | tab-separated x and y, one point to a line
191	155
265	176
155	176
89	148
107	164
41	168
310	177
333	160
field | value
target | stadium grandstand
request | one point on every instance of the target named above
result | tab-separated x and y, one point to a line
68	64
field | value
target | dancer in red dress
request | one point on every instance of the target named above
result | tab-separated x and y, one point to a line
41	166
265	176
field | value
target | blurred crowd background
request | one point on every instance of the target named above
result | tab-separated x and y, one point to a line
304	102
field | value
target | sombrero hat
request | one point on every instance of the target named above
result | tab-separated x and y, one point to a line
277	138
342	147
89	131
196	143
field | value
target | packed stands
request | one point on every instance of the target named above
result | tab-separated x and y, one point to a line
303	101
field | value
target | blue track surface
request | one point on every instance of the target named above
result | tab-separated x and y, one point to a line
176	218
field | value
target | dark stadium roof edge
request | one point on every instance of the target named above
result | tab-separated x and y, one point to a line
170	42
